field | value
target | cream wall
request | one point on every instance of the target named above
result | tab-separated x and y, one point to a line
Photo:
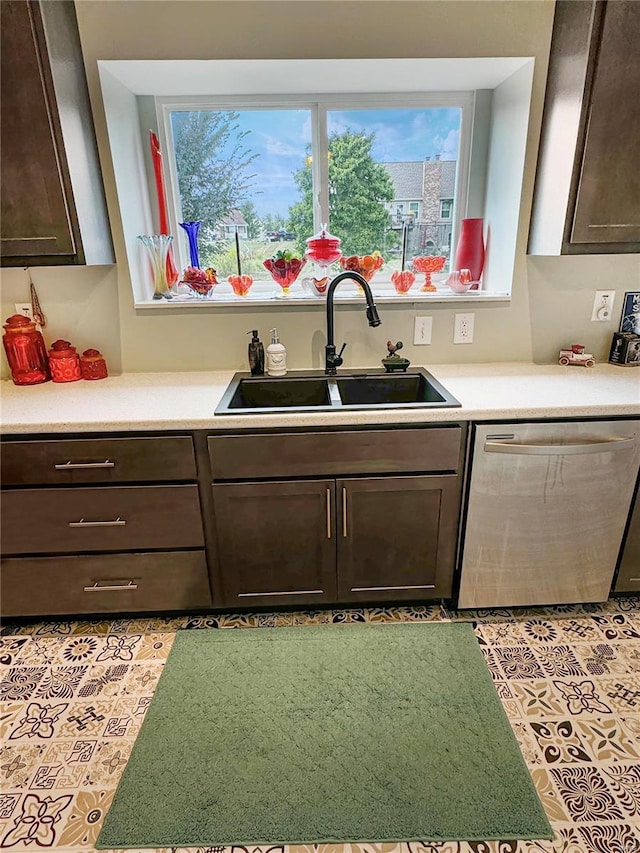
551	298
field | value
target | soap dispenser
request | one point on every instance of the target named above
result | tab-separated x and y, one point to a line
276	356
256	354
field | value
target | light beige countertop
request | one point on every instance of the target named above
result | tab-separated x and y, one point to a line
174	401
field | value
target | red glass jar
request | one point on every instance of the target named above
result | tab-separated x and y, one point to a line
64	362
323	248
26	351
93	365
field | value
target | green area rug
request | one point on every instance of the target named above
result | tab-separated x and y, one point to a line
330	733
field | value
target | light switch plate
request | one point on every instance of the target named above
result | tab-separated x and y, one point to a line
422	330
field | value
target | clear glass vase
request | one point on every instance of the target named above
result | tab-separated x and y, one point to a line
157	248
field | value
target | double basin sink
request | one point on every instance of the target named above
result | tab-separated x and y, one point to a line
312	391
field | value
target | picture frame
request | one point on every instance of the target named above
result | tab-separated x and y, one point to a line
630	319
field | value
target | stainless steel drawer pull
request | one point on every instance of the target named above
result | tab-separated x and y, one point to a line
344	512
67	466
605	446
635	580
328	513
116	522
289	592
98	586
390	588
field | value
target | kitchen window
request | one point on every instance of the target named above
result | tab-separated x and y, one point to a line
492	95
374	169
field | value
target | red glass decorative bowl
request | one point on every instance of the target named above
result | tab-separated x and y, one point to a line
366	265
240	284
403	281
285	272
200	282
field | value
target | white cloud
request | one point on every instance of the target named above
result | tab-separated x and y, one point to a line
280	148
447	147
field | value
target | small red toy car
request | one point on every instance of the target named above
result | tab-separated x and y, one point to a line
575	354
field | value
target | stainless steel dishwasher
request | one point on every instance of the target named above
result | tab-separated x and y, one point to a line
546	511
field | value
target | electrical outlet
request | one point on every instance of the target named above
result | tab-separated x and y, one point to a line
463	329
602	305
422	330
24	308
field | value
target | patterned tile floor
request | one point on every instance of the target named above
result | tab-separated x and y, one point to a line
73	696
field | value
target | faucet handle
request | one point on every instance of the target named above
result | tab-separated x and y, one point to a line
338	360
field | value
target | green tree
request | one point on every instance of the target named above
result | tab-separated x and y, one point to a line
358	190
248	210
272	222
212	164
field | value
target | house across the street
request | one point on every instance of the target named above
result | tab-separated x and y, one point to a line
423	198
234	222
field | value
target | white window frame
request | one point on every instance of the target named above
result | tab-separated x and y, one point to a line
318	105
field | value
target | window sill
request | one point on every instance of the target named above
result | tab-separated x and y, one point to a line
265	295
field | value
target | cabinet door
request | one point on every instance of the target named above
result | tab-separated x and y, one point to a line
276	542
396	537
36	216
608	196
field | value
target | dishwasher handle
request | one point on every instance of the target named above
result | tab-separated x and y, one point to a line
601	446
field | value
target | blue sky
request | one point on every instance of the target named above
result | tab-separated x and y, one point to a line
280	137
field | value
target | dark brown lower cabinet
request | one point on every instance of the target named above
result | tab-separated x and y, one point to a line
396	538
101	524
152	522
276	542
347	540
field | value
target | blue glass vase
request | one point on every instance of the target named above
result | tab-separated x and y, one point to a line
192	229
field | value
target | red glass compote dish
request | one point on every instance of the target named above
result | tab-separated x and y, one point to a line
284	269
429	264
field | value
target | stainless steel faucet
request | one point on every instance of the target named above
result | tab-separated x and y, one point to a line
333	360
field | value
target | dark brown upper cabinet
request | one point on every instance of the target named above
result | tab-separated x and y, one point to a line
587	192
53	209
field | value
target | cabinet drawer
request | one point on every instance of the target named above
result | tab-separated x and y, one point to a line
36	521
235	457
97	460
106	583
